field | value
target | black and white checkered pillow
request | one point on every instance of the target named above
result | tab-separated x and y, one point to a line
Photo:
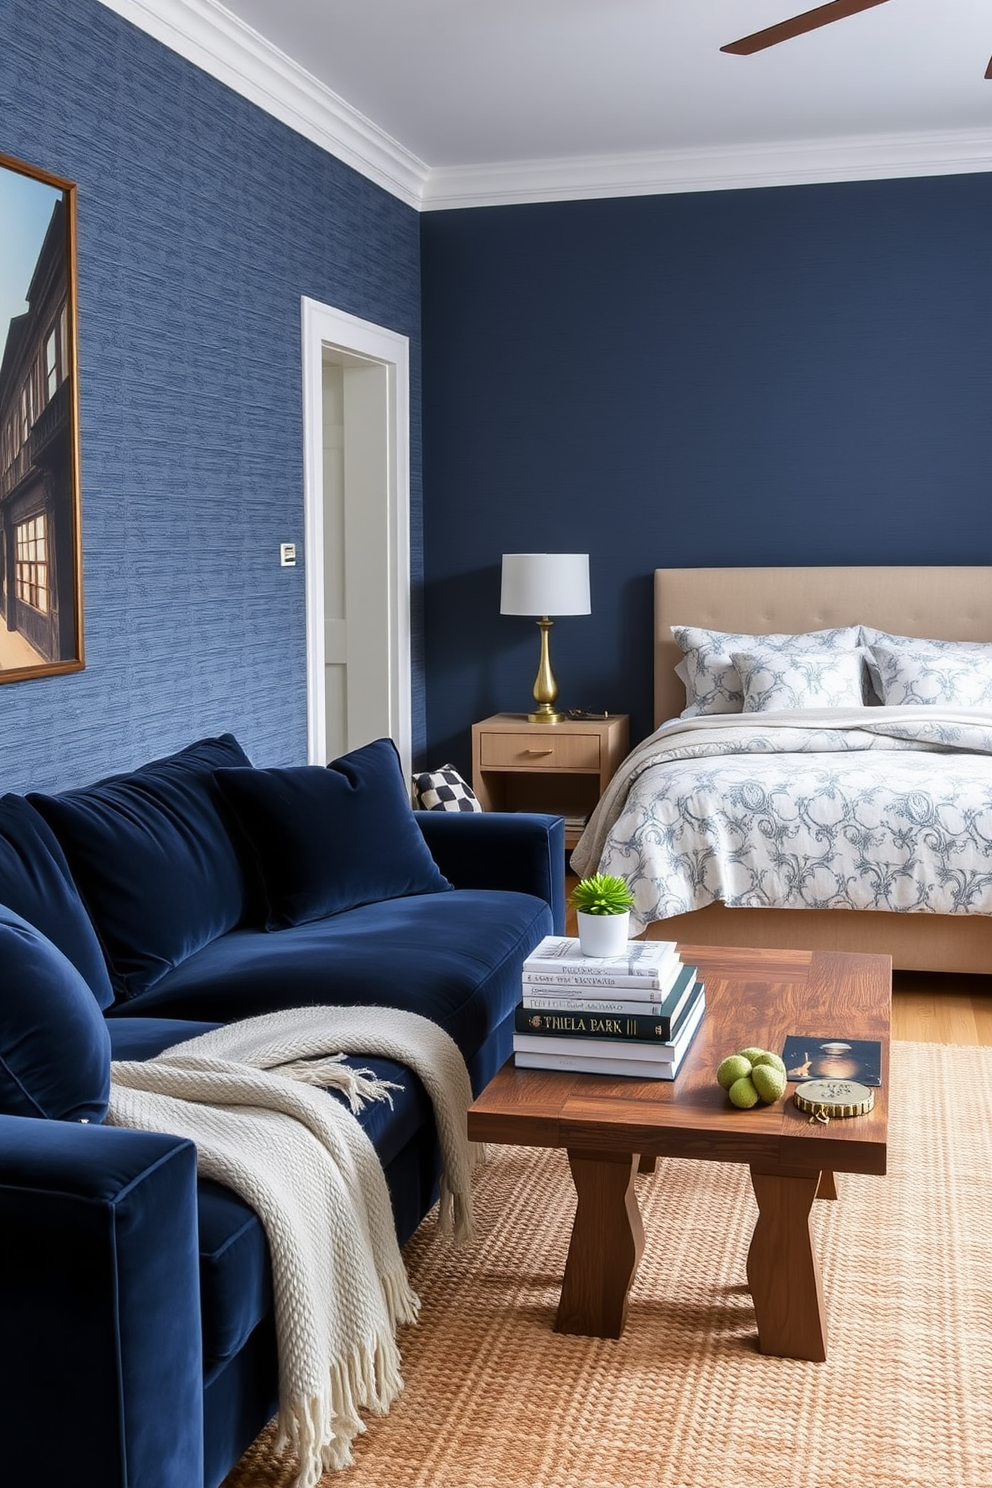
443	790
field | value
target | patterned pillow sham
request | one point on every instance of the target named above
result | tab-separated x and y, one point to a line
870	638
712	684
773	680
955	678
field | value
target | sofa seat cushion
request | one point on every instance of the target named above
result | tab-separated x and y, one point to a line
143	1038
154	860
454	958
35	883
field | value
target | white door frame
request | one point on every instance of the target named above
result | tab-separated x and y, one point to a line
325	326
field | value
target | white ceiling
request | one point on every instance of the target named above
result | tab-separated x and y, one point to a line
501	99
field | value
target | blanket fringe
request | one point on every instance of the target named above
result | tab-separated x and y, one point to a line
359	1085
454	1216
319	1431
402	1302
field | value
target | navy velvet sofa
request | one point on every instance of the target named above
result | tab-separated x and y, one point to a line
136	1326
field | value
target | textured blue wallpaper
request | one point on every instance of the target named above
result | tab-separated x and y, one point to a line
799	375
202	222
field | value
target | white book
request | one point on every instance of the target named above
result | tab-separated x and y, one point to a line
599	984
665	1006
549	1001
640	1069
594	979
608	1056
644	960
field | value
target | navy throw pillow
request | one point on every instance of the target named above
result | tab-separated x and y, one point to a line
151	853
35	883
329	839
54	1042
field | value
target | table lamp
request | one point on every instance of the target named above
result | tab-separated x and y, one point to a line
544	584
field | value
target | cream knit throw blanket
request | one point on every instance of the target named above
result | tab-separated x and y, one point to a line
243	1095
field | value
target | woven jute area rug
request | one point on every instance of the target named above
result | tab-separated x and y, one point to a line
495	1399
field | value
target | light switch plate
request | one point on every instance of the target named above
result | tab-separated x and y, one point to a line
287	555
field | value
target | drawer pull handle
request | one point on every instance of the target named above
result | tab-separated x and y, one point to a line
538	751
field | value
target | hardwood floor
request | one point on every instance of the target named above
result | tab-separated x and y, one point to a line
936	1009
927	1007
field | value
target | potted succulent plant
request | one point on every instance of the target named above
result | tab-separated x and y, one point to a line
602	906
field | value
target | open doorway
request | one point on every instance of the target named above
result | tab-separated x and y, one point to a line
357	532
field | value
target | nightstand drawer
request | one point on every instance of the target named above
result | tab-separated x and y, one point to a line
536	751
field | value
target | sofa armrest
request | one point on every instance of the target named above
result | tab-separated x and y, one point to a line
99	1307
518	850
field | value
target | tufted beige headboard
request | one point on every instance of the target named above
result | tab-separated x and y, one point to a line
952	604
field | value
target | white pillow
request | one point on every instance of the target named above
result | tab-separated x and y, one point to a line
953	678
773	680
921	645
712	684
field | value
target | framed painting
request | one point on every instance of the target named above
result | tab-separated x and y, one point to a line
41	600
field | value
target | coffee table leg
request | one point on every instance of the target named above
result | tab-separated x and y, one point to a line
827	1187
782	1270
607	1240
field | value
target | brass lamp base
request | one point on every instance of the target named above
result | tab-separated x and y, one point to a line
545	687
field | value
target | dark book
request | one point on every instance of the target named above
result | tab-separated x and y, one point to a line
632	1027
617	1058
819	1057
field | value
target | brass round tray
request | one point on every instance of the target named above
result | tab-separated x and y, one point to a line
824	1099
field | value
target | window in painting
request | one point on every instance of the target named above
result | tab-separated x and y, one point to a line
51	365
31	557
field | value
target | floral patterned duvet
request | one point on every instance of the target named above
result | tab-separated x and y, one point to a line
878	808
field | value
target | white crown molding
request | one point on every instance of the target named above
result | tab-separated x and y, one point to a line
720	169
208	35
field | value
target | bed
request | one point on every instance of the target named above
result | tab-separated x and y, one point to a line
932	919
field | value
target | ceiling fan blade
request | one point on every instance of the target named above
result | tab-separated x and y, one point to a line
810	20
988	70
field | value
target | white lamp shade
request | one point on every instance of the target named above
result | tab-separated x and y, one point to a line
545	584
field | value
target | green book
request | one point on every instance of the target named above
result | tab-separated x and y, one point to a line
645	1028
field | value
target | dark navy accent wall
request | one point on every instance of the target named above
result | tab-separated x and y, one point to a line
797	375
202	221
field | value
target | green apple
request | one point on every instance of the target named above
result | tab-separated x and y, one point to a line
769	1082
733	1068
753	1054
743	1093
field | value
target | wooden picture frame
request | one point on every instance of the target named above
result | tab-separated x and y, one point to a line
41	599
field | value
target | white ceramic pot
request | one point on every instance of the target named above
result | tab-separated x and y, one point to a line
603	935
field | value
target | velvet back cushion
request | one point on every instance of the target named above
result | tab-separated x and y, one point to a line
35	883
154	860
54	1043
330	839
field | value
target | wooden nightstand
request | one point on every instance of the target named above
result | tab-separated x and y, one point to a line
558	767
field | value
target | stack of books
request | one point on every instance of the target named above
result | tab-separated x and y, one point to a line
634	1014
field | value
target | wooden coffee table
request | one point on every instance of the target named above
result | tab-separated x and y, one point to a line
611	1126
